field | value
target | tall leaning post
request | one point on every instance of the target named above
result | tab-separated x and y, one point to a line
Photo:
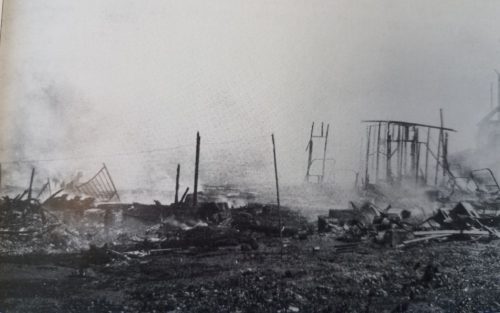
196	168
30	189
277	196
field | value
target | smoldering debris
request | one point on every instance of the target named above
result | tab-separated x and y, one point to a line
218	249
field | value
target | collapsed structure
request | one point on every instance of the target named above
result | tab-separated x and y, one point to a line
225	246
398	150
410	195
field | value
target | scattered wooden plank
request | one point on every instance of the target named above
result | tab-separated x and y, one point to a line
451	232
407	242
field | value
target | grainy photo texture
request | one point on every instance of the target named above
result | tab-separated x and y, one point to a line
277	156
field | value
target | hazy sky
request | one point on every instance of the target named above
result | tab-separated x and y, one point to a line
82	79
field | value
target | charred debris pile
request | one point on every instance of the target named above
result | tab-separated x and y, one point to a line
91	214
409	195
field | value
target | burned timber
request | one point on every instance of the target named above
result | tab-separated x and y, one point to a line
418	233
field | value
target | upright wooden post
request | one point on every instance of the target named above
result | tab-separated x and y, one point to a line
398	161
31	184
439	147
417	156
378	152
310	147
413	154
324	153
196	168
405	151
176	200
388	170
277	194
445	155
367	166
0	176
427	155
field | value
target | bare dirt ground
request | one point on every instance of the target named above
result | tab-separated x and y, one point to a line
455	276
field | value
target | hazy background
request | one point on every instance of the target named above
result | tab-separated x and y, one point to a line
130	82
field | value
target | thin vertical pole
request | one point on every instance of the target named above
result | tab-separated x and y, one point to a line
196	168
439	147
417	156
310	147
398	161
427	154
403	151
378	152
445	154
324	153
176	200
388	141
0	176
412	152
367	178
277	194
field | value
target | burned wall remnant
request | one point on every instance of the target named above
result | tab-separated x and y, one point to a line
399	151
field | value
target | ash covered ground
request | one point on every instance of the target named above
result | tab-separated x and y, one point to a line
370	250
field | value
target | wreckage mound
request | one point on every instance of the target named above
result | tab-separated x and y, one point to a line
268	218
28	227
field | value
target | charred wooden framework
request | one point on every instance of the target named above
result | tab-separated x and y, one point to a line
323	136
101	186
398	150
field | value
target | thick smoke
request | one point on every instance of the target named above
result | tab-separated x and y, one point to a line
129	85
